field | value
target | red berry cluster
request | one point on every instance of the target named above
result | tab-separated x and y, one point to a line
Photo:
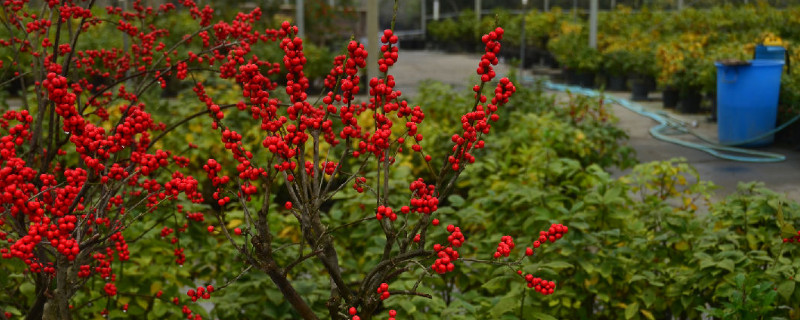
180	258
358	184
389	50
555	232
110	289
795	239
347	67
476	123
542	286
354	313
384	211
166	231
188	313
423	200
383	290
504	247
446	255
202	292
489	58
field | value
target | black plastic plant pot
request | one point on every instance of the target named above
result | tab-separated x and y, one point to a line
712	98
571	77
690	101
585	79
639	90
551	61
670	97
651	83
616	83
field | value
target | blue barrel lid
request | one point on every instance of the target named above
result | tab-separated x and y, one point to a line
754	63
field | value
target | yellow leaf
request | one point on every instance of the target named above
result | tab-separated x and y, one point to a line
154	287
590	282
647	314
682	246
289	232
234	223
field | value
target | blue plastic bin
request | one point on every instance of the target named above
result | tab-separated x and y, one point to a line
747	101
770	52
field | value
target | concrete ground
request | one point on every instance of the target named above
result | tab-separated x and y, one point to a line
783	177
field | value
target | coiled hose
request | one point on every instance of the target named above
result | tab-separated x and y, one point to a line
668	126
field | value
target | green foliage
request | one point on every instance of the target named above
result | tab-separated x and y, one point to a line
570	47
646	245
461	33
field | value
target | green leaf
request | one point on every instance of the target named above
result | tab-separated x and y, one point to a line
496	283
13	310
543	316
739	280
788	230
557	265
648	297
777	205
506	304
785	289
726	264
27	289
456	200
631	310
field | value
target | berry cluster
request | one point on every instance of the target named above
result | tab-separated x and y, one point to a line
383	290
358	184
202	292
384	211
446	255
504	247
542	286
795	239
423	200
110	289
354	313
389	50
555	232
347	67
489	58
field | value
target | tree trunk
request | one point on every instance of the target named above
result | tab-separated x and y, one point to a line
289	293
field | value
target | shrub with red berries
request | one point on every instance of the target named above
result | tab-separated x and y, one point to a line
87	178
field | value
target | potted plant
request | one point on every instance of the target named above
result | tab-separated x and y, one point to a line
571	50
616	61
669	58
642	65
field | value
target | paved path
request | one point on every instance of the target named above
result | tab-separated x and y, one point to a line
456	69
784	177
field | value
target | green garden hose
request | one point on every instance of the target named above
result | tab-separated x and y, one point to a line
665	122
